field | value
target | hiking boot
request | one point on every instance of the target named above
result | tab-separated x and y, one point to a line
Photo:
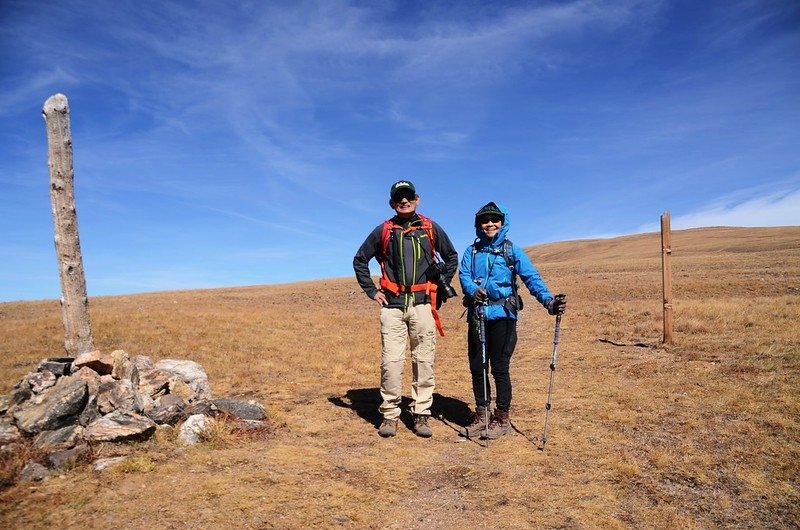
477	424
388	428
500	425
421	427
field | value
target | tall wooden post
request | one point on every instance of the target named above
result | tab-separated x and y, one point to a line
74	302
666	275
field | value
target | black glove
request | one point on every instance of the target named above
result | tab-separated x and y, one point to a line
481	296
557	305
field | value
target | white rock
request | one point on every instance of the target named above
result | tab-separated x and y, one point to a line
193	428
104	463
190	372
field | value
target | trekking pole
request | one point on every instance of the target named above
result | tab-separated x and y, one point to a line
481	312
552	375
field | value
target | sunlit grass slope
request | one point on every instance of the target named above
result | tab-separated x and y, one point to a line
702	434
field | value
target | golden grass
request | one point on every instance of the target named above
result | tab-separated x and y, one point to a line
702	434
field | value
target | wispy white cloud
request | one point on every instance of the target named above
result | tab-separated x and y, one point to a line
263	72
480	51
781	208
15	97
778	209
260	74
289	229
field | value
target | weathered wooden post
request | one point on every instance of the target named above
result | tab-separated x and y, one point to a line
74	302
666	275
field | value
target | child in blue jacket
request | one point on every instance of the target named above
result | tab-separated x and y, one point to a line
488	278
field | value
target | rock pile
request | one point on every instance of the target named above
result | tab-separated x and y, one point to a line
69	404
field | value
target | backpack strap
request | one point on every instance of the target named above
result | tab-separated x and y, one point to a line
388	226
395	288
427	225
508	256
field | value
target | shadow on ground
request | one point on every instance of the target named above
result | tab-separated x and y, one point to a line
365	403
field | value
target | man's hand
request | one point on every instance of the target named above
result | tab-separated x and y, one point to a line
557	305
481	296
380	298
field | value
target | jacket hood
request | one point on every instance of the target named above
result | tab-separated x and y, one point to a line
498	239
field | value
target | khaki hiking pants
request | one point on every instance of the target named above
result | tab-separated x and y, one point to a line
417	323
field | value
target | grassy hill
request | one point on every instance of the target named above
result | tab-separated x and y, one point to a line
705	433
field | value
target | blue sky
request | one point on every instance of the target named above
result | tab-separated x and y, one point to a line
241	143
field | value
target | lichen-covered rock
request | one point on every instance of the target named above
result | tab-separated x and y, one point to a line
168	409
59	440
91	377
33	472
190	372
142	362
69	457
201	407
120	426
124	368
245	410
57	365
118	395
8	433
90	412
5	403
54	408
96	360
41	381
154	382
178	387
22	392
148	403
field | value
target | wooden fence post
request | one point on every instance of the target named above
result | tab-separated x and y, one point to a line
666	275
74	302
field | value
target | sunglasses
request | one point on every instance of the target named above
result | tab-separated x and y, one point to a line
490	219
404	195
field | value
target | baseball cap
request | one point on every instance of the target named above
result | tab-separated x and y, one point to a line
400	186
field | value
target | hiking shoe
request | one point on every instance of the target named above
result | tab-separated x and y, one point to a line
500	425
421	427
388	428
477	424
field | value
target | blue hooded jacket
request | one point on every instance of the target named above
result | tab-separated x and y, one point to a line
483	265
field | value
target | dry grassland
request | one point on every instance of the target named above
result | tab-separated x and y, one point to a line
703	434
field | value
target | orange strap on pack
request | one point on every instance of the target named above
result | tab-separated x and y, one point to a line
395	288
436	314
430	289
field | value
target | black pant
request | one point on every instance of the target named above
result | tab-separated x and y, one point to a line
501	339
